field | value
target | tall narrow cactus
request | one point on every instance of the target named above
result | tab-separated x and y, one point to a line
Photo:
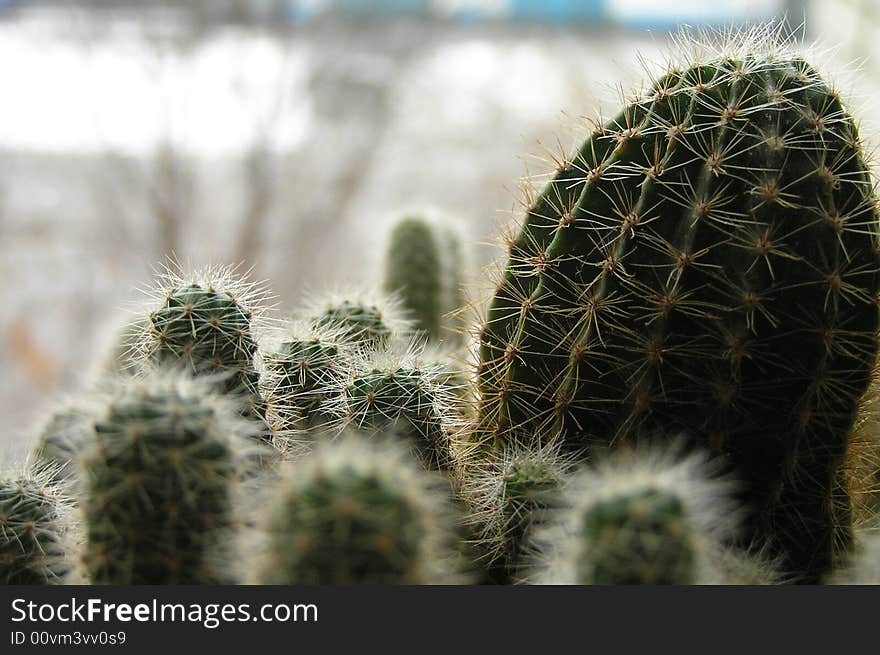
413	269
207	323
637	518
298	373
159	481
360	511
423	265
35	547
706	263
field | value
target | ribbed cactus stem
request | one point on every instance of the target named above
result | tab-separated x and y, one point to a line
707	264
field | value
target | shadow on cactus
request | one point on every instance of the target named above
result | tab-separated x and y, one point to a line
705	263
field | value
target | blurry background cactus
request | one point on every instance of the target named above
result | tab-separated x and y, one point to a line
35	543
207	323
706	263
423	265
159	482
61	442
360	511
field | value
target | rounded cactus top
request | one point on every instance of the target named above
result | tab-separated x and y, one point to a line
34	544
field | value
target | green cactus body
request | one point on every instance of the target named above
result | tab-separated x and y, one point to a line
159	482
414	270
360	512
210	332
646	517
61	442
508	496
297	376
706	263
404	401
640	539
365	323
33	546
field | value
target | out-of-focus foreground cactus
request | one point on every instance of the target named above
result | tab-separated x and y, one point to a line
706	263
360	511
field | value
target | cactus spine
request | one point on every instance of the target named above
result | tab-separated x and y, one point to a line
159	481
371	319
360	511
34	544
706	263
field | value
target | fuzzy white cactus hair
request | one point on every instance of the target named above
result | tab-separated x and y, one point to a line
710	517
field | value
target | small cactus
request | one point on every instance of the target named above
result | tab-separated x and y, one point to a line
360	511
159	479
373	320
509	494
298	373
637	518
207	323
34	529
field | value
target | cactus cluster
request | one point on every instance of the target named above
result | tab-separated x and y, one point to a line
359	510
676	382
159	481
34	528
707	262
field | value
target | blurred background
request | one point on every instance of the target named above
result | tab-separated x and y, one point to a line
288	135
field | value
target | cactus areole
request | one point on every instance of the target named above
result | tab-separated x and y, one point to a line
706	264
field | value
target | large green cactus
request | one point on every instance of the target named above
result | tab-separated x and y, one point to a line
360	511
159	479
706	263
